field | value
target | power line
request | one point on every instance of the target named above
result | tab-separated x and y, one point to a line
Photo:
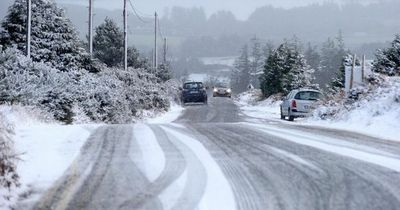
135	11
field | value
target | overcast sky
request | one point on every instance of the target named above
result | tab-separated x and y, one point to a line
241	8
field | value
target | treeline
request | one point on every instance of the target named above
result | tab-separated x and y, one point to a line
60	77
216	35
292	65
192	28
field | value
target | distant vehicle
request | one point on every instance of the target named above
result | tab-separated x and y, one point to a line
193	92
299	103
222	90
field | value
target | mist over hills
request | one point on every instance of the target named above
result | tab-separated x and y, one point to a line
192	32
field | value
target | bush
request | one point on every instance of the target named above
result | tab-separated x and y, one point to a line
9	178
112	95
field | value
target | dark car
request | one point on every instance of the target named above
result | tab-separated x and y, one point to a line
194	92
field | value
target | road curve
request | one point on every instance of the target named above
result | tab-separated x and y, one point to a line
266	166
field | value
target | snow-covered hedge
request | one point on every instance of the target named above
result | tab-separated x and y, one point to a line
9	178
112	95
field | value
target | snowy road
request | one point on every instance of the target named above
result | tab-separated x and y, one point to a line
213	157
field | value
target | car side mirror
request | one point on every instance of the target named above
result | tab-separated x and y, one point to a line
180	88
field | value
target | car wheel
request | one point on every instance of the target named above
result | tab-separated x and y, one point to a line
291	118
282	116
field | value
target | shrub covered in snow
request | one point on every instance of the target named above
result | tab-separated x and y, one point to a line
112	95
9	178
377	103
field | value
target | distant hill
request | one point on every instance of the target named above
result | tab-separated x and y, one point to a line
191	32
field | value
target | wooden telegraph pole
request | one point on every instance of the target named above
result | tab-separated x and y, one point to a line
125	37
155	41
352	71
90	32
28	28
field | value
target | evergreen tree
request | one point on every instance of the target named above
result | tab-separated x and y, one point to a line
312	56
270	80
108	43
108	47
332	53
163	73
286	69
388	60
256	62
241	77
268	49
54	39
135	61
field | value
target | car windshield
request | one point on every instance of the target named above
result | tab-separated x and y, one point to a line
308	95
221	85
193	85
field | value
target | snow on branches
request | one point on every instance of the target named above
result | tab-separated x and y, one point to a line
9	178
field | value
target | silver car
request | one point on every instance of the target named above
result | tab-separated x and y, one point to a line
222	91
299	103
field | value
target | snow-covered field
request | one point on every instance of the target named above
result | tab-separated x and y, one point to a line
228	61
198	77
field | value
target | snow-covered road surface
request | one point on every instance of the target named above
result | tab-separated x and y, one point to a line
212	157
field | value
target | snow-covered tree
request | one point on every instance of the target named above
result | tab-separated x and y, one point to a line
241	76
270	80
268	48
108	46
256	62
54	39
135	60
163	73
9	178
285	70
332	53
108	43
388	60
312	56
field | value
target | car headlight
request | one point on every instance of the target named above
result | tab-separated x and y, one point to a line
215	90
229	90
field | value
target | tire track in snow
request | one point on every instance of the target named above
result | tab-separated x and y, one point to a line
196	178
175	164
217	192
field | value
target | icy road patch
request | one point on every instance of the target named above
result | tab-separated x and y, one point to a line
359	152
218	193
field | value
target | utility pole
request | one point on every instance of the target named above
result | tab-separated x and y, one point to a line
363	69
28	28
165	52
91	28
352	71
125	37
155	41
